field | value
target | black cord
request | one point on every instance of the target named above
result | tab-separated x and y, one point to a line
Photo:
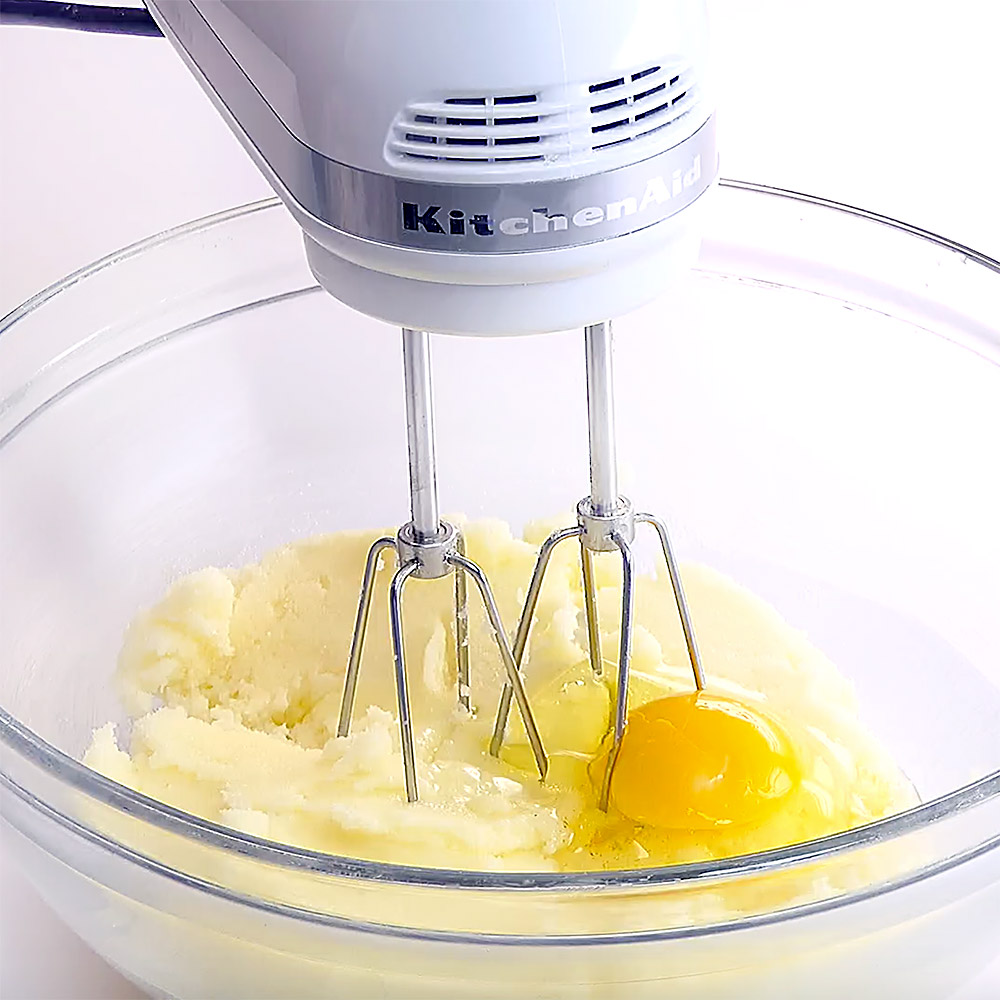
81	16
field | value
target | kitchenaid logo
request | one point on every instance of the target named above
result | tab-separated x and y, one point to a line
659	190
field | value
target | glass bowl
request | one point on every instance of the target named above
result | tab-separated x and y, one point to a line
815	412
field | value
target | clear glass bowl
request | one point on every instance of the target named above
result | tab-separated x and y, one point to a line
816	413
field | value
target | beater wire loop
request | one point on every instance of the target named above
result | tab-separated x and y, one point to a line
402	574
694	657
358	638
462	631
524	628
590	609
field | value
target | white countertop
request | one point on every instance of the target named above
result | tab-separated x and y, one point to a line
891	105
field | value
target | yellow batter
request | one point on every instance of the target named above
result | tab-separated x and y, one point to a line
234	680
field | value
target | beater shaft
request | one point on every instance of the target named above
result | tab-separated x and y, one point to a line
428	548
601	418
418	393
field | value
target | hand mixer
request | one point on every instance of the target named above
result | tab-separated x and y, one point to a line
478	167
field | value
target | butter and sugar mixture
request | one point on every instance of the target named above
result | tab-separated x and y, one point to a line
234	681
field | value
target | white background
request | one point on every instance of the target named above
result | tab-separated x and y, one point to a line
893	105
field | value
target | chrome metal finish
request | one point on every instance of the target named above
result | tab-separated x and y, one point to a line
624	662
510	665
682	606
462	631
597	340
428	548
524	627
358	638
425	518
402	574
590	609
598	530
605	523
429	555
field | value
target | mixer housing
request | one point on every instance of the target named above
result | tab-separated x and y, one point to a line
488	167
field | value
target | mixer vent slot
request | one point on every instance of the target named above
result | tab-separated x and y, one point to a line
638	104
494	129
557	127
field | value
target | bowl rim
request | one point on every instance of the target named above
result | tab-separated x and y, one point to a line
265	204
28	745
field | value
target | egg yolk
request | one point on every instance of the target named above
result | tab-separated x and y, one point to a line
701	761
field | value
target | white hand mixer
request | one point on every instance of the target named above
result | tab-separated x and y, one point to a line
479	167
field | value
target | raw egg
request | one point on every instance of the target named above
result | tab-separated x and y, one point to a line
700	761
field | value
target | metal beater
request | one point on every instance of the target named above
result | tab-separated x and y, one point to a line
428	548
605	523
